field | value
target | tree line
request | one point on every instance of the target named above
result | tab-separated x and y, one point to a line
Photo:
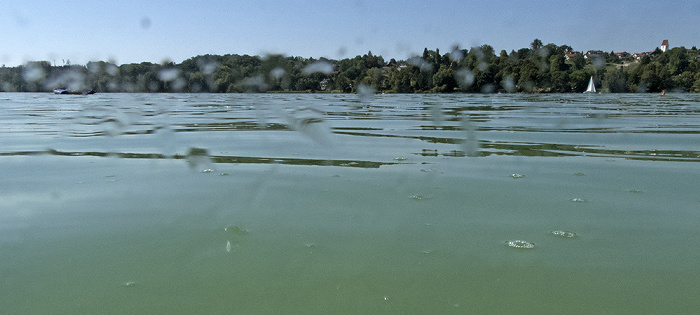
539	68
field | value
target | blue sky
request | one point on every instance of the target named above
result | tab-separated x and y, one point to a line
133	31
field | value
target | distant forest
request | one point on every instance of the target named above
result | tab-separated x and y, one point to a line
537	69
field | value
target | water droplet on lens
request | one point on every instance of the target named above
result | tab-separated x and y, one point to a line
470	144
310	122
520	244
198	158
319	66
564	234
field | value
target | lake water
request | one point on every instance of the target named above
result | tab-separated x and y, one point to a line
336	204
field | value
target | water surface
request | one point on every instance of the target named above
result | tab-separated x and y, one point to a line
295	203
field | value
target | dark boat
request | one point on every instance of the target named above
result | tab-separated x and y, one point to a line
64	91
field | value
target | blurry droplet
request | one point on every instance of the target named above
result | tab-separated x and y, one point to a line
324	67
198	158
145	22
598	62
168	74
255	84
112	69
464	77
509	84
436	114
520	244
277	73
456	54
365	92
470	144
33	72
488	88
420	63
310	122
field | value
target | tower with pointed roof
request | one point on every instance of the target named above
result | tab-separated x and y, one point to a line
664	45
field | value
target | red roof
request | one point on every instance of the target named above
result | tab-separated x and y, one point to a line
664	43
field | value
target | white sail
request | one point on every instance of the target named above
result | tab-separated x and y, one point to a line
591	86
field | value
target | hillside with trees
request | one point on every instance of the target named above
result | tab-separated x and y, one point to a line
537	69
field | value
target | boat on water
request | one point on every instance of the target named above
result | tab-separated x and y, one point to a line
64	91
591	86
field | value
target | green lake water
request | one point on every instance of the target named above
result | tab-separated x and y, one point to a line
336	204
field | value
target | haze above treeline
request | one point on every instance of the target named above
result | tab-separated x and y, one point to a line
539	68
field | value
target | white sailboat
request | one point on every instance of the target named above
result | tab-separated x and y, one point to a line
591	86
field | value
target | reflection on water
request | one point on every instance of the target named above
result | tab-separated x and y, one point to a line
381	204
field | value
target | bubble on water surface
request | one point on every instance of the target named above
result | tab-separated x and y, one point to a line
235	230
520	244
565	234
579	174
228	246
516	175
636	191
129	283
578	200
